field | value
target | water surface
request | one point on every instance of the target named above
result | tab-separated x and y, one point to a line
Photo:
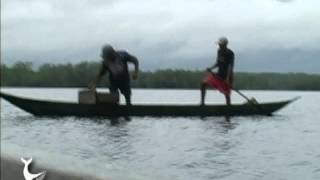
284	146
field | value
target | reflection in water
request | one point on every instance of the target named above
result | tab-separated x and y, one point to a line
119	120
221	124
227	118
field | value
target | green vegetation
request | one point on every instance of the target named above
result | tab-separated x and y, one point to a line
79	75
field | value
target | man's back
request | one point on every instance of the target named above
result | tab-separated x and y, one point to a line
118	68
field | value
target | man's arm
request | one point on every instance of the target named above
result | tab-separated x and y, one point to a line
134	61
229	74
102	71
215	65
212	67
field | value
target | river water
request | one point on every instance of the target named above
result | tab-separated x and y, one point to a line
284	146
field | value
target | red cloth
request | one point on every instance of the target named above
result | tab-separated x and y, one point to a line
217	83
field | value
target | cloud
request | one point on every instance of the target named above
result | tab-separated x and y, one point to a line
285	1
160	33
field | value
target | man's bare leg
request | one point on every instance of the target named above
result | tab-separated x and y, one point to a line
203	92
128	99
228	100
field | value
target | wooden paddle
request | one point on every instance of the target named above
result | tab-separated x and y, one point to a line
252	101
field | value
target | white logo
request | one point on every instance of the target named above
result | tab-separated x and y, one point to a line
27	175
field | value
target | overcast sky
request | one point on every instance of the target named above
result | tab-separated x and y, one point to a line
266	35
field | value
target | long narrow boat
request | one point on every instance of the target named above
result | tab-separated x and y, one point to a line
55	108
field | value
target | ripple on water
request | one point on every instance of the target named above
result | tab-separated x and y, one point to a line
254	147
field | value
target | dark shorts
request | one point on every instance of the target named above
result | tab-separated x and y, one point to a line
124	88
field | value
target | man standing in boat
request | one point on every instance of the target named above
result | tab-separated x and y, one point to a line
116	64
222	80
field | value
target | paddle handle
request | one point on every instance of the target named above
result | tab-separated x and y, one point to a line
241	94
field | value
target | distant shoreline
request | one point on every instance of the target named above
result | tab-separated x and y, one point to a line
80	75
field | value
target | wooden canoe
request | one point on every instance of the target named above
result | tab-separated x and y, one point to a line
55	108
